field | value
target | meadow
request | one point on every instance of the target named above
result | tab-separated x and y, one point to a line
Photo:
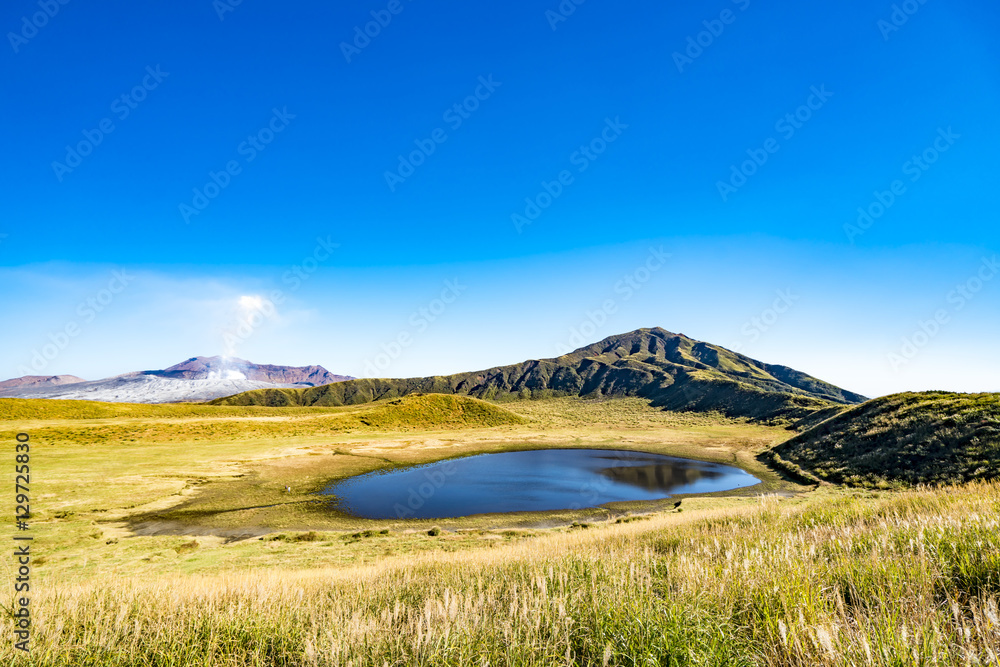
163	536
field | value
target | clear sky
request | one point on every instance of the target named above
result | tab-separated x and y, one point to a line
491	182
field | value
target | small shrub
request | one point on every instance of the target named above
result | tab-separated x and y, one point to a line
311	536
187	546
369	533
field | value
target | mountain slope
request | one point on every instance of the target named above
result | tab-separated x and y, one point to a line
39	381
671	370
932	437
197	379
203	368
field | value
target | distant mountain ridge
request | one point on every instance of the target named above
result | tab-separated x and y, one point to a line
671	370
196	379
202	368
39	381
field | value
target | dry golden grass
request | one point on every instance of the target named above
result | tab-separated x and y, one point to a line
893	579
192	473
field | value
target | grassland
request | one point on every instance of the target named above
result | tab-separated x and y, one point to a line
218	473
163	536
843	579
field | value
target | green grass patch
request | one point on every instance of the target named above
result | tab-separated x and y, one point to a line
905	439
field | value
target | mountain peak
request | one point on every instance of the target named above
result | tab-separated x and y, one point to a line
195	379
672	370
234	368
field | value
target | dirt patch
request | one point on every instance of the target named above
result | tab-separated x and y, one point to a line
176	528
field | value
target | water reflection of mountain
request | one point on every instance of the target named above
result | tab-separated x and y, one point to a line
655	477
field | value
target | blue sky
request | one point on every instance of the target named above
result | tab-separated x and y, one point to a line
740	138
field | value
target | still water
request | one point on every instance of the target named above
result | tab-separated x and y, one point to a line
529	481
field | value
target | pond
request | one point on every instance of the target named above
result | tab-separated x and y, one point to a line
528	481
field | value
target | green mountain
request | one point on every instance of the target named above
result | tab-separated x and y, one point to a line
932	438
671	370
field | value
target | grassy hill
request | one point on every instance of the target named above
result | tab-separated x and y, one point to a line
424	411
932	437
671	370
415	411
